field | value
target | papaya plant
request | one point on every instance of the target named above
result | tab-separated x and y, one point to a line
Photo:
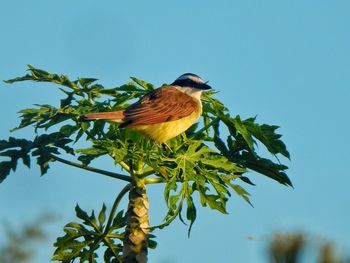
212	160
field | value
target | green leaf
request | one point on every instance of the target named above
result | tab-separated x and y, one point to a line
266	167
98	129
44	76
246	180
241	128
92	151
170	186
143	84
191	213
110	255
68	100
88	220
5	169
85	126
119	221
200	160
220	163
268	136
188	159
43	158
102	215
129	87
115	148
67	130
152	244
81	214
213	201
219	143
241	192
69	250
86	81
82	241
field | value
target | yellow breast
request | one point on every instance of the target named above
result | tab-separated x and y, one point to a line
162	132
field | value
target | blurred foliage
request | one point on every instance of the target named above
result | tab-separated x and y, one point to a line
201	161
19	245
300	247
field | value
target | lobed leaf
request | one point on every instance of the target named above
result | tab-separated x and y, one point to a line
144	84
83	240
200	160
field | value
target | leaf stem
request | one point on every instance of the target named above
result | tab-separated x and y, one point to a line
154	180
169	220
125	166
205	127
92	169
115	206
88	133
147	172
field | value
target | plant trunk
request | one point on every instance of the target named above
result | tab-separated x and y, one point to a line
137	225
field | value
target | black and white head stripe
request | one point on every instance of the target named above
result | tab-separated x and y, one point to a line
190	80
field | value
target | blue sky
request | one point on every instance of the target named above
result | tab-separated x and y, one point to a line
286	61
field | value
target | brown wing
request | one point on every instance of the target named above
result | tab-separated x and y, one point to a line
161	105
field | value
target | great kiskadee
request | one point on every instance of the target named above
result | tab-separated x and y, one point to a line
162	113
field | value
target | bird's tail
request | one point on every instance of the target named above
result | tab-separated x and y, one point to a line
110	116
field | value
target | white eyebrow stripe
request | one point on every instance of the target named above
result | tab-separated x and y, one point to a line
191	77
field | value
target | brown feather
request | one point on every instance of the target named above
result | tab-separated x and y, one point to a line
161	105
113	115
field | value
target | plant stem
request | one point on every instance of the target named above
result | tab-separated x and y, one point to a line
137	224
147	171
115	206
154	180
105	237
125	166
205	127
92	169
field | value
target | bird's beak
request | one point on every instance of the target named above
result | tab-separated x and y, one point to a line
205	86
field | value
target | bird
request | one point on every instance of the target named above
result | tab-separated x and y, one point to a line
163	113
